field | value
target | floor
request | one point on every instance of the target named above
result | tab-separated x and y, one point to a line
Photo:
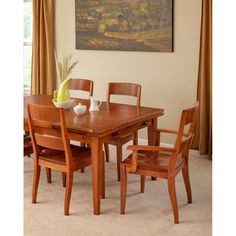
147	213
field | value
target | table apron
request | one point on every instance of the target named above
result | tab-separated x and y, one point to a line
104	137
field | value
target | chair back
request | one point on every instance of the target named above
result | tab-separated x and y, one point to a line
81	84
128	89
186	130
42	120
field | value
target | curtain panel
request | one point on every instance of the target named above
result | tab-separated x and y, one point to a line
43	65
203	136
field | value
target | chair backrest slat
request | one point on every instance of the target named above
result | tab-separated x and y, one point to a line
127	89
44	114
184	138
42	124
47	141
81	84
188	118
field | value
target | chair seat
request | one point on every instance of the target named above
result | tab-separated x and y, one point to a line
81	156
157	163
124	138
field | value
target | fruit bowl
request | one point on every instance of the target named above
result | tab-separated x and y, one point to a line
65	105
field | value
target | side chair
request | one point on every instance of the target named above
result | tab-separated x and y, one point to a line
127	89
80	85
162	162
48	130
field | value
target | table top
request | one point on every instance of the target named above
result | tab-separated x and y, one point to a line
110	117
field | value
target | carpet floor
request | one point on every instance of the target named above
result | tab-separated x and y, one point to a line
147	213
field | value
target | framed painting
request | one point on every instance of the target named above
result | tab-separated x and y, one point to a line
124	25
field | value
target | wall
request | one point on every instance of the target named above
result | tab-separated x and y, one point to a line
169	80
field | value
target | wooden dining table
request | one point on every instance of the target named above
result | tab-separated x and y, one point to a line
97	127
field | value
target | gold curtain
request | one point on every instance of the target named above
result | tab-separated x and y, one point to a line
203	136
43	65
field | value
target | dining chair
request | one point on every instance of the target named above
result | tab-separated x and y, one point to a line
162	162
127	89
81	84
48	130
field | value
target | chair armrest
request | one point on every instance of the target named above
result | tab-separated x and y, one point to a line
150	148
169	131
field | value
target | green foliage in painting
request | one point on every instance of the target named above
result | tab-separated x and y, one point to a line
132	25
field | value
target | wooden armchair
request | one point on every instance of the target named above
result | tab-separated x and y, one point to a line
122	89
162	162
48	130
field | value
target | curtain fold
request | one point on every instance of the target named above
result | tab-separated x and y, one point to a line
43	65
203	136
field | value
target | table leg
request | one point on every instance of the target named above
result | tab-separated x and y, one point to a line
96	148
151	135
151	131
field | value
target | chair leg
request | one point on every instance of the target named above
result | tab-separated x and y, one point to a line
123	188
106	147
82	170
173	199
37	170
69	183
63	174
142	183
135	140
118	159
185	173
49	175
103	177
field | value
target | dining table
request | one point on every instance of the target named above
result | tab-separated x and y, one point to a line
98	127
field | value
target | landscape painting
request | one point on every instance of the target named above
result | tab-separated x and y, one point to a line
124	25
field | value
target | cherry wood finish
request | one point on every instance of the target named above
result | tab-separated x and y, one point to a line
124	89
162	162
81	84
96	128
58	154
129	89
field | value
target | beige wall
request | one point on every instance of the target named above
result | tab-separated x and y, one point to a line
169	80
